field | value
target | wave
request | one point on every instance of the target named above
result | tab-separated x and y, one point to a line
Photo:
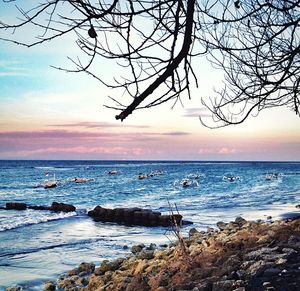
55	168
30	217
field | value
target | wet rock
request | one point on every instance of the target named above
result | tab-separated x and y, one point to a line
62	207
49	286
271	272
14	288
148	255
135	216
258	254
223	285
240	221
193	231
39	207
151	247
85	268
137	248
221	225
16	206
109	266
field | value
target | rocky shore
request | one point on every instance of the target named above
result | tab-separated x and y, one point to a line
240	255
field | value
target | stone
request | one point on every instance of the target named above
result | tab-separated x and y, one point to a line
140	267
221	225
193	231
49	286
62	207
148	255
137	248
271	272
16	206
14	288
135	216
86	267
240	221
223	285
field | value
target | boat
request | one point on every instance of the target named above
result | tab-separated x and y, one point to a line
231	178
113	172
272	176
81	180
50	184
186	182
142	176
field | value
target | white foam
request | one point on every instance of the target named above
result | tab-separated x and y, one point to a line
14	219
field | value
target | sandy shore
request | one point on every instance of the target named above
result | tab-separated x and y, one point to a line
240	255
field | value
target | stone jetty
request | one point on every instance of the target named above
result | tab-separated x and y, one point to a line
135	216
55	206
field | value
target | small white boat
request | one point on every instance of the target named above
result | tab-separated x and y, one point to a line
113	172
80	180
272	176
186	182
142	176
231	178
50	184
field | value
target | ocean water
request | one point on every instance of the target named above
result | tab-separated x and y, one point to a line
36	246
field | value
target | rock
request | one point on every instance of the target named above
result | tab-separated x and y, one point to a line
221	225
137	248
140	267
148	255
240	221
223	285
297	206
62	207
151	247
14	288
16	206
39	207
49	286
193	231
271	272
108	266
258	254
135	216
87	268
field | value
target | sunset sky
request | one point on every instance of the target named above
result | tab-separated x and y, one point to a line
49	114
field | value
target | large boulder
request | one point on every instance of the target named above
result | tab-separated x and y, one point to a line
135	216
62	207
16	206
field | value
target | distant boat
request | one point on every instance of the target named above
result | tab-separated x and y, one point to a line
231	178
272	176
113	172
142	176
81	180
50	184
186	182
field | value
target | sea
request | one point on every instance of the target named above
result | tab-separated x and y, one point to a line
37	246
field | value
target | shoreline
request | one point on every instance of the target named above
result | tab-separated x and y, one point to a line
240	255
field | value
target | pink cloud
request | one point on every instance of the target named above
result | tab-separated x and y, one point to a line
227	151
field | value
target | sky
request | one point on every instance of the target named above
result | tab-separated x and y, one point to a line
50	114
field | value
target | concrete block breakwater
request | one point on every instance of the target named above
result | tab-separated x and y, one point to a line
128	216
